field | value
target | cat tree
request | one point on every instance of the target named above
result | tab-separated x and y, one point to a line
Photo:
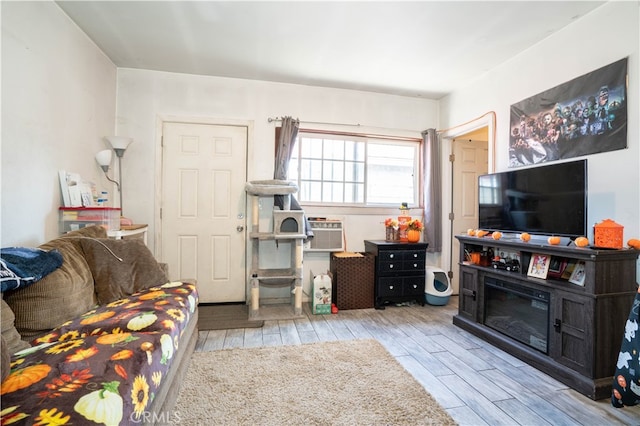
288	228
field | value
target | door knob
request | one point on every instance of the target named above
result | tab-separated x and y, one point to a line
239	228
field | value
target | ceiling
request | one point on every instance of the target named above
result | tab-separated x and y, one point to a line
417	48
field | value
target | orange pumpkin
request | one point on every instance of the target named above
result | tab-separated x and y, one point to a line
152	295
582	241
24	377
496	235
114	339
525	236
480	233
554	241
634	243
92	319
413	235
471	232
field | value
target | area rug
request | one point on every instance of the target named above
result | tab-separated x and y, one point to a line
355	382
225	317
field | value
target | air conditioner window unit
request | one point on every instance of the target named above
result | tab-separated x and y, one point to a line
327	236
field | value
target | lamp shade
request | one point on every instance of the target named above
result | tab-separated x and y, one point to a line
104	157
119	142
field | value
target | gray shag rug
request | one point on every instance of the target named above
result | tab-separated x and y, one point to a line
354	382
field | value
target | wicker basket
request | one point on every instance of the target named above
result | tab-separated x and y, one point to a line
353	281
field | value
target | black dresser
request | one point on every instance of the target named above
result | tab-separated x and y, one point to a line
399	272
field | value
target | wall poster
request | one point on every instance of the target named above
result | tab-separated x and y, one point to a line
586	115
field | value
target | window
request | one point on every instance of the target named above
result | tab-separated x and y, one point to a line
353	170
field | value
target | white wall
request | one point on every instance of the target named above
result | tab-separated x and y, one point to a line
145	96
608	34
58	101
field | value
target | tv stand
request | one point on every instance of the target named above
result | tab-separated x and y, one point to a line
586	319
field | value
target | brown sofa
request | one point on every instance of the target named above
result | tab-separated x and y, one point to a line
105	337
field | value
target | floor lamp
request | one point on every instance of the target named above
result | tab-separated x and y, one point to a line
119	145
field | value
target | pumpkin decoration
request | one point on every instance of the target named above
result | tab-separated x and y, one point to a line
471	232
414	229
102	406
496	235
141	321
24	377
115	338
634	243
480	233
413	236
153	295
581	241
166	345
94	318
525	236
553	240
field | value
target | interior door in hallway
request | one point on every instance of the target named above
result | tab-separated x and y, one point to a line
471	159
204	207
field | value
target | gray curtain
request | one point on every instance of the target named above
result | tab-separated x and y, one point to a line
432	190
284	149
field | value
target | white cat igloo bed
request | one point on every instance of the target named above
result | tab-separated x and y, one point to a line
437	286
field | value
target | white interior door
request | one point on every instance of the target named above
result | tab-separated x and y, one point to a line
204	207
471	159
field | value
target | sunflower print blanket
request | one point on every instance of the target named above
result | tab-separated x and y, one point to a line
104	367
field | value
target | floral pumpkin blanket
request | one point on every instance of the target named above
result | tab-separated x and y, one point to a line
104	367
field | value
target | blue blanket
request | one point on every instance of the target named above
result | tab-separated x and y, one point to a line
22	266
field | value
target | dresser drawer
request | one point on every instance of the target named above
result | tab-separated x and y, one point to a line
390	255
389	287
390	268
414	255
413	286
413	265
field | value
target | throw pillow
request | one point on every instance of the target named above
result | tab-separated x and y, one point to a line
121	267
5	362
11	340
61	296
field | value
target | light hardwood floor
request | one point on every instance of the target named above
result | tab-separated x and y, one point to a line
475	382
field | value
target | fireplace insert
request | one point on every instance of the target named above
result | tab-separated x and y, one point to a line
520	312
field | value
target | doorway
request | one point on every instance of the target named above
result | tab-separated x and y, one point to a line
203	212
468	161
475	140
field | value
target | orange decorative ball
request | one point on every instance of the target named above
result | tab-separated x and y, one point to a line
496	235
634	243
554	241
582	241
525	237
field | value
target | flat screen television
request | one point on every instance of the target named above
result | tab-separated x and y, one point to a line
543	200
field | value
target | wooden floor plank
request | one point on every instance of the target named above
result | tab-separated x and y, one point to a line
519	412
469	375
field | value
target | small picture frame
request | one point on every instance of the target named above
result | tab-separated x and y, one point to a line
578	274
539	266
568	269
557	266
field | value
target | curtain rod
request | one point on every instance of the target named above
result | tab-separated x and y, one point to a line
370	135
271	120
